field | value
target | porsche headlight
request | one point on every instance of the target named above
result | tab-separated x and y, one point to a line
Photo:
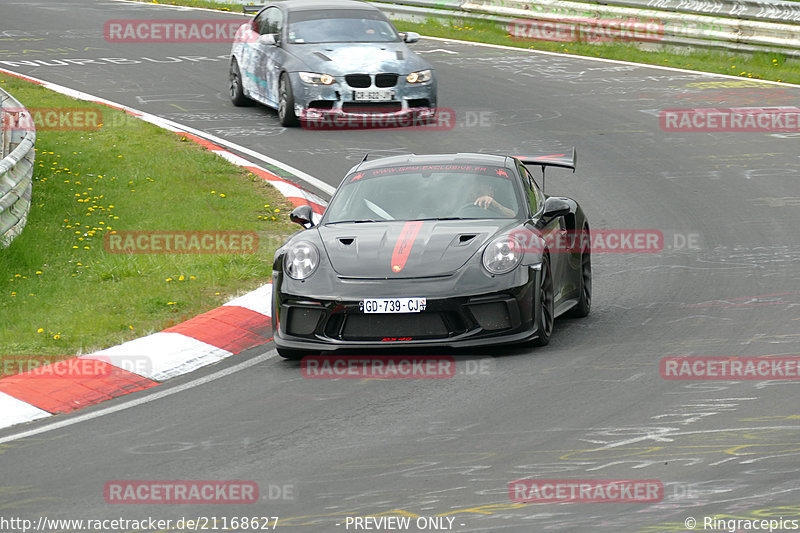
301	260
316	79
502	255
419	77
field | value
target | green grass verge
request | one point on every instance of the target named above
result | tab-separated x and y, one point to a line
763	66
62	293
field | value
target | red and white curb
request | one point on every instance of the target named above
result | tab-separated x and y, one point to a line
140	364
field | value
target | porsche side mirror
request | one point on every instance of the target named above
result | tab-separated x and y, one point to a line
302	215
411	37
556	207
268	39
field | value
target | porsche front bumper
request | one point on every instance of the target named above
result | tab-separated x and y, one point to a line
320	324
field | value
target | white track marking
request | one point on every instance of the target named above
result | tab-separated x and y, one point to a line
259	300
165	355
14	411
156	395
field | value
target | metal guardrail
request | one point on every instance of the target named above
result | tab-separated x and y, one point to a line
16	167
736	25
764	10
672	28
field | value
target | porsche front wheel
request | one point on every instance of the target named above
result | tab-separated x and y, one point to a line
544	300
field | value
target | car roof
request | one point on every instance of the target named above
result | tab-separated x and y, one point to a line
306	5
437	159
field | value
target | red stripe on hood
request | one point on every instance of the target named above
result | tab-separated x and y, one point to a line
402	247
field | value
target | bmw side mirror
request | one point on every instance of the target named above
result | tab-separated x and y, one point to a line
556	207
411	37
268	39
302	215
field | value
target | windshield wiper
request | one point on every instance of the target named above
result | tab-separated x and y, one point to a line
441	218
352	221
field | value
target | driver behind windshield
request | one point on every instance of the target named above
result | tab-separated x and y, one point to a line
484	196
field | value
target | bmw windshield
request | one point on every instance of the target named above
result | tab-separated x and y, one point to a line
419	192
342	26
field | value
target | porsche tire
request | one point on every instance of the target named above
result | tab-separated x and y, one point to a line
544	313
585	300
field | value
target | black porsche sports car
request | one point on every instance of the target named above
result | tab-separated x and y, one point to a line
452	250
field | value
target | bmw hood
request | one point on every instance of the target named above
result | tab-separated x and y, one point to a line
339	59
400	249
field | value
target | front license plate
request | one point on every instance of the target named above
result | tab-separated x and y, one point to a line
393	305
373	96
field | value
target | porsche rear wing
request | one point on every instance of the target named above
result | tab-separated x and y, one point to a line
556	160
253	9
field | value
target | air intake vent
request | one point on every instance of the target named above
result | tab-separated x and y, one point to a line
358	81
385	80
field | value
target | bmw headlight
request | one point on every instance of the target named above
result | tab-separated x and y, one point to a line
502	255
419	77
316	79
301	260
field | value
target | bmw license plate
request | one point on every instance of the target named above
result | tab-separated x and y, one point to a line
373	96
393	305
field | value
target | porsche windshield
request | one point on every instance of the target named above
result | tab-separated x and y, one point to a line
340	26
449	191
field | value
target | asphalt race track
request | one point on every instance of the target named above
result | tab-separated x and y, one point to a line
592	405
